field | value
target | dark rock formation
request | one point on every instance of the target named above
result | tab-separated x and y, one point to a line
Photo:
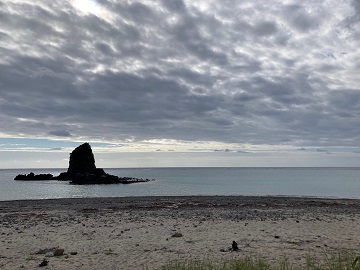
234	246
82	171
43	263
34	177
98	176
81	160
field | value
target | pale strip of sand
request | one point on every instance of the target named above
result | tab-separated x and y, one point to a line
136	233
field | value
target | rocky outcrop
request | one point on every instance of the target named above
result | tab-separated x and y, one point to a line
81	160
34	177
91	178
82	171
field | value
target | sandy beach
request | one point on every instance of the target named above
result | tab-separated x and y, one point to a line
138	233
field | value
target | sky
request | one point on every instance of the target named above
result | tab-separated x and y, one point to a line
180	82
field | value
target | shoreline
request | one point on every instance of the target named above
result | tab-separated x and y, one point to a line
136	232
212	200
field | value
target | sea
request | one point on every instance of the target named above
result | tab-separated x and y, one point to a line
299	182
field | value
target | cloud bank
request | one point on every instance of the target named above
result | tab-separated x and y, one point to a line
205	73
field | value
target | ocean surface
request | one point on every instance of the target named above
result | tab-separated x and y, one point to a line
307	182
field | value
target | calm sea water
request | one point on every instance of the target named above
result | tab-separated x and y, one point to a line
318	182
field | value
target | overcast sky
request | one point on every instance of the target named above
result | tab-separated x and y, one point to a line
190	83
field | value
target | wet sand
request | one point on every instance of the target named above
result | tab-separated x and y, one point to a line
137	232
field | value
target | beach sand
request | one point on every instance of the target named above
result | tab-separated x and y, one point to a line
136	233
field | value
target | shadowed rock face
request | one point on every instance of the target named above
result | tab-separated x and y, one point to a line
82	171
81	160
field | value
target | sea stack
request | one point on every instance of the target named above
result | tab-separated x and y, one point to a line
82	171
81	160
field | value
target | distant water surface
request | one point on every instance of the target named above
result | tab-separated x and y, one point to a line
309	182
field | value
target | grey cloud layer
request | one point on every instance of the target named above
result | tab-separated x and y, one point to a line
260	72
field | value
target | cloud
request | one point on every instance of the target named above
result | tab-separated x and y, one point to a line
265	28
322	150
303	21
257	73
60	133
243	152
57	148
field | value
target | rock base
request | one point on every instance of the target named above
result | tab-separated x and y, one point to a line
88	178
